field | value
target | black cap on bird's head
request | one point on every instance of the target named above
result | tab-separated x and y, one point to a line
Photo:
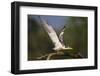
64	27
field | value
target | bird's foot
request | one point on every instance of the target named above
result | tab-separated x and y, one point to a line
67	48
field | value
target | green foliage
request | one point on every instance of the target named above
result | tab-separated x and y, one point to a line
75	34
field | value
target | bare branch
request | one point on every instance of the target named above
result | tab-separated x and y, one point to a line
50	55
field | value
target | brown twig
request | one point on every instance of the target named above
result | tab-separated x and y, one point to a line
43	56
50	55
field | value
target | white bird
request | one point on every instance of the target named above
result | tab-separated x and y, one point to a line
57	41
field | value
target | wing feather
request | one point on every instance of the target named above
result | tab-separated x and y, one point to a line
61	36
52	34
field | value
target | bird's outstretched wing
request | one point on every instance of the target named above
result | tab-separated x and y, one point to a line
52	34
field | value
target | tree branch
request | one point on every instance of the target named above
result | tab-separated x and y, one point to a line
50	55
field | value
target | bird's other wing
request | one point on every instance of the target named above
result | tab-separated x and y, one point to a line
61	36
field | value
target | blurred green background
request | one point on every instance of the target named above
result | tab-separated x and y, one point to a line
75	35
